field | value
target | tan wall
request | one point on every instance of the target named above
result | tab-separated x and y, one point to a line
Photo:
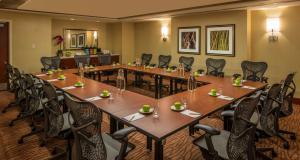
114	37
282	56
148	38
128	42
59	25
31	39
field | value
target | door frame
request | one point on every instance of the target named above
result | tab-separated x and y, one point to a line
10	39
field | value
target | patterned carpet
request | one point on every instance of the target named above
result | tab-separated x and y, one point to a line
177	147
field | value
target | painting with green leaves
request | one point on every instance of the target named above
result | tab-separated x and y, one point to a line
220	40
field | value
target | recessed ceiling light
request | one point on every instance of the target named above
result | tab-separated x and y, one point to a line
72	19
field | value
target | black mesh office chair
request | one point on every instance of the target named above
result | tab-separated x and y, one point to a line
56	124
239	143
187	62
269	115
90	143
254	71
84	60
146	59
10	76
215	67
105	59
15	86
50	63
287	95
164	61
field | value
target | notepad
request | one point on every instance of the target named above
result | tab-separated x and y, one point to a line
225	97
134	117
190	113
93	99
52	80
67	88
248	87
40	75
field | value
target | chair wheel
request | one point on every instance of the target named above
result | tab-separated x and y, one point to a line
11	124
20	141
286	145
293	137
42	144
274	154
33	129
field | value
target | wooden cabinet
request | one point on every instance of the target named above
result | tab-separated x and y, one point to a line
67	63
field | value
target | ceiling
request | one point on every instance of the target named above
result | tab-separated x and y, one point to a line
132	9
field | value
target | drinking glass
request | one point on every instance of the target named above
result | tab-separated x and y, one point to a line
156	110
184	102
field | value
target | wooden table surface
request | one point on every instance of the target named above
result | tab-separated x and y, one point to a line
128	102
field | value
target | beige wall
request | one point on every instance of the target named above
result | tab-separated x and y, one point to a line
148	38
31	39
59	25
128	41
282	56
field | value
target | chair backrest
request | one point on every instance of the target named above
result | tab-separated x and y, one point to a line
146	59
50	62
241	143
53	111
104	59
33	94
187	62
164	61
287	95
214	66
82	59
19	84
254	71
270	109
88	115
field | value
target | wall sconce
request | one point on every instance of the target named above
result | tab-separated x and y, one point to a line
164	33
273	26
95	35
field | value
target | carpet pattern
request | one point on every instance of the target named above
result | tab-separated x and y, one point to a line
178	146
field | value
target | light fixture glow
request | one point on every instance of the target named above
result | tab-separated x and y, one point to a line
164	32
273	25
95	34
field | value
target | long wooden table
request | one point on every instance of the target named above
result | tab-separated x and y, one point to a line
169	122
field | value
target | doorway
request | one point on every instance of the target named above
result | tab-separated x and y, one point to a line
4	53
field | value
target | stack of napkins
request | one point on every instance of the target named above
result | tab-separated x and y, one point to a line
40	75
93	99
52	80
225	97
190	113
248	87
67	88
134	117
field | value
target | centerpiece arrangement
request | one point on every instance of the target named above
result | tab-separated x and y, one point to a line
146	109
177	106
105	94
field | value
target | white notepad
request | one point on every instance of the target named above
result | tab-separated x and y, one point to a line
93	99
190	113
67	88
225	97
134	117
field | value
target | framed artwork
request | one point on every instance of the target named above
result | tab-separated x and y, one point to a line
73	42
220	40
189	40
80	40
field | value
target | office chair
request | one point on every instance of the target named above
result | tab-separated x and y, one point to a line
84	60
90	142
50	63
146	59
105	59
214	67
287	95
187	63
253	71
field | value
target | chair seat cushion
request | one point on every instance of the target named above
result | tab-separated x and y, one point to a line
112	146
219	143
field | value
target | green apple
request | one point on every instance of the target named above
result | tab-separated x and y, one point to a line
146	108
196	73
78	84
59	70
105	93
61	76
237	81
169	70
177	105
129	64
213	92
50	72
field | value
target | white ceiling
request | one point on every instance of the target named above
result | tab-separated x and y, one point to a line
125	8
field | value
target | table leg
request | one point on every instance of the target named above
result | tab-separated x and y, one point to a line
120	125
176	86
160	86
156	86
171	86
149	143
125	75
113	125
159	150
99	76
135	79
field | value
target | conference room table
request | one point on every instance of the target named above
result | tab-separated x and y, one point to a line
168	122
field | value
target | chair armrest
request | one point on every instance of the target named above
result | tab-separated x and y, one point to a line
207	129
86	139
123	133
221	74
228	113
83	126
200	71
265	79
236	75
152	65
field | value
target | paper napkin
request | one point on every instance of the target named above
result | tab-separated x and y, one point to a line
93	99
134	117
190	113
